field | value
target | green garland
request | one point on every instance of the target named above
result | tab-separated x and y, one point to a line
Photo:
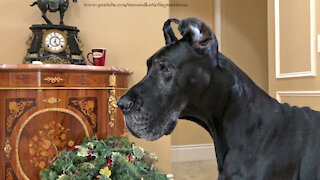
114	158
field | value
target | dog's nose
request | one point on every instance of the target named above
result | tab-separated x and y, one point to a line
125	104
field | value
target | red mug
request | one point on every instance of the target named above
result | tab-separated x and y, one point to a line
98	56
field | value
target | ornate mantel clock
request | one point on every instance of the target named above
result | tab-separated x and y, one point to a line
54	44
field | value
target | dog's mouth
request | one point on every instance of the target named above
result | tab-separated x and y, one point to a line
150	119
137	123
150	127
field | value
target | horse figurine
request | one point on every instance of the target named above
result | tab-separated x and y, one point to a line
53	6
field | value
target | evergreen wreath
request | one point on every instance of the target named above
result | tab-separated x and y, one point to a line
114	158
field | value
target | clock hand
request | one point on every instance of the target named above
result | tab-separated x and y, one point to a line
52	41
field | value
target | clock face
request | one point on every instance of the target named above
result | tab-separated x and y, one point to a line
54	41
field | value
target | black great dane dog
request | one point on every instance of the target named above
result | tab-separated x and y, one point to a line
255	136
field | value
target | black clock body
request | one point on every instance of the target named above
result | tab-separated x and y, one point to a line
54	44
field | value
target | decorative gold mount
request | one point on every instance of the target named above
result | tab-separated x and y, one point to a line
52	100
29	41
53	80
112	107
55	60
113	80
112	102
7	148
125	133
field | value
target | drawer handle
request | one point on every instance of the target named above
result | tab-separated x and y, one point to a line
112	107
52	100
53	80
7	148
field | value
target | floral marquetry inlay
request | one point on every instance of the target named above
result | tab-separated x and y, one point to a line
15	109
88	107
9	173
47	142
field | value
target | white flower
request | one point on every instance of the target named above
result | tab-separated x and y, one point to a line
82	151
114	154
90	145
153	156
87	165
140	148
94	154
62	177
138	151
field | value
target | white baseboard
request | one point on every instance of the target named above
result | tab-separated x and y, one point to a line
170	176
194	152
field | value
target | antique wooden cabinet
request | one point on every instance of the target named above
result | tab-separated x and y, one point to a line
48	108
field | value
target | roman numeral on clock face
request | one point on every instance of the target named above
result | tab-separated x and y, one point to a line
55	41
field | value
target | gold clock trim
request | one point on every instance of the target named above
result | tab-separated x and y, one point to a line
57	31
29	119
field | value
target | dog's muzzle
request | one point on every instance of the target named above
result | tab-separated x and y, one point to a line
125	104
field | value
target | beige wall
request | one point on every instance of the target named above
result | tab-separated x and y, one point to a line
297	82
244	37
130	36
188	132
293	55
296	58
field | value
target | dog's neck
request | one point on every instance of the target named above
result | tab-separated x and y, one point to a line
236	95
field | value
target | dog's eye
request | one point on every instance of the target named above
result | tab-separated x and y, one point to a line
165	68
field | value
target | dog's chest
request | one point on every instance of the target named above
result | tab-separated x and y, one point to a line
245	165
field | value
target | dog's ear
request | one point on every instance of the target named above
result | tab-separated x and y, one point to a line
168	32
199	35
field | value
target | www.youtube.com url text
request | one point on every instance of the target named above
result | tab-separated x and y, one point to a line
128	4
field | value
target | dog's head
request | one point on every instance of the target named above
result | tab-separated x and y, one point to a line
177	75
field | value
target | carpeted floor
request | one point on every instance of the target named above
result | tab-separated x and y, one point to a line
198	170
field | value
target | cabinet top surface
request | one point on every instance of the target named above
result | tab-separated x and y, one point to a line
63	67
